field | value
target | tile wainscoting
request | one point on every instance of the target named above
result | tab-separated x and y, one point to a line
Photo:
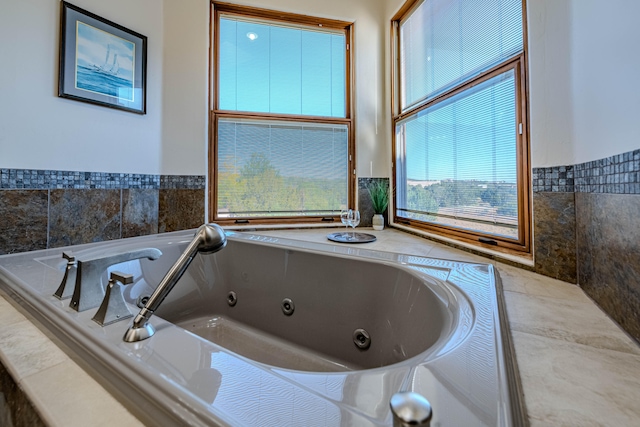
47	209
586	231
554	233
585	226
608	246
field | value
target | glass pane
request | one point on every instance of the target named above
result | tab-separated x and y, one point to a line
268	168
446	42
269	68
457	160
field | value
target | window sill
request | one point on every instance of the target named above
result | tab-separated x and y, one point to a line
524	259
300	226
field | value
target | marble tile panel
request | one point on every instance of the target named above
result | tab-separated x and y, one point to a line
8	314
390	240
180	209
23	220
387	240
554	224
59	398
527	282
569	384
608	238
139	212
365	208
447	252
83	216
578	322
27	349
15	408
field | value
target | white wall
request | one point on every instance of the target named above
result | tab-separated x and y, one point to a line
583	103
550	101
583	67
185	69
38	130
605	65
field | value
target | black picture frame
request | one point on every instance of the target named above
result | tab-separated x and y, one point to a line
101	62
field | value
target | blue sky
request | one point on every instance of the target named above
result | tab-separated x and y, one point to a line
284	70
269	68
470	136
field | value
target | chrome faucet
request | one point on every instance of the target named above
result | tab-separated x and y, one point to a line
209	238
88	292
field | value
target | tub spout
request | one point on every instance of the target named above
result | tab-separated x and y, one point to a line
209	238
88	292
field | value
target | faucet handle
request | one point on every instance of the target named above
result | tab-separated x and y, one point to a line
125	279
64	291
113	307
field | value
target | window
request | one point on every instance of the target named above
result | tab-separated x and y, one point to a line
282	131
460	147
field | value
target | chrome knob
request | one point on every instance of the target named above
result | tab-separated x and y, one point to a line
410	409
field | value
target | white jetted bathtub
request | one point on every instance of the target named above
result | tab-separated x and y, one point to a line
277	332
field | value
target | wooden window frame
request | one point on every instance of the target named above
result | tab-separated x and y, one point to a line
304	21
522	245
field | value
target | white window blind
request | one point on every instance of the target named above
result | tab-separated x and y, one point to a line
457	160
446	42
275	168
269	68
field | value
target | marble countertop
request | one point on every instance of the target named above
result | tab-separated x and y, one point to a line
578	368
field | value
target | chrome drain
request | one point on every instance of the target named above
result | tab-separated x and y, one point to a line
232	298
361	339
288	306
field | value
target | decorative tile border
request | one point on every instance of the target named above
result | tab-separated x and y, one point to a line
36	179
363	183
619	174
189	182
555	179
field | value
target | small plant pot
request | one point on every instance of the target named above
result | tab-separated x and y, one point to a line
378	222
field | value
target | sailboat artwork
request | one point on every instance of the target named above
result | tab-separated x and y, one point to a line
110	69
104	63
101	62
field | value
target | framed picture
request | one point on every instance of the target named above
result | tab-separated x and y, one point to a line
101	62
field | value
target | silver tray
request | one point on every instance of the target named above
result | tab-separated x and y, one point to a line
351	237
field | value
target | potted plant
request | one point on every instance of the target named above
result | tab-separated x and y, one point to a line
379	193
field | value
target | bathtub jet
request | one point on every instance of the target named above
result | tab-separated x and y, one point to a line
209	238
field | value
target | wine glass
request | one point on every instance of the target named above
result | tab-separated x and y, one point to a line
354	220
344	217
